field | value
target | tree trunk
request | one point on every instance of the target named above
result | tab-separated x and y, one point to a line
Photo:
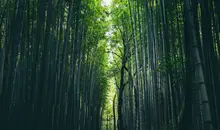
198	73
114	116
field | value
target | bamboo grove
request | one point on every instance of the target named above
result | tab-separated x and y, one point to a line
168	78
52	65
57	58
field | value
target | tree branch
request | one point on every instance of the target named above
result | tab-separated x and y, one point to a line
116	83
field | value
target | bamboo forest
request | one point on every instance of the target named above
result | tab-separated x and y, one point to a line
109	64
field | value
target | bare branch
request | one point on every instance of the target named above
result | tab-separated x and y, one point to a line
117	54
116	83
114	53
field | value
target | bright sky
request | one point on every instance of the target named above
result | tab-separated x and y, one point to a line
109	32
106	2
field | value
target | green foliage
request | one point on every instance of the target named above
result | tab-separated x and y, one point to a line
169	62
